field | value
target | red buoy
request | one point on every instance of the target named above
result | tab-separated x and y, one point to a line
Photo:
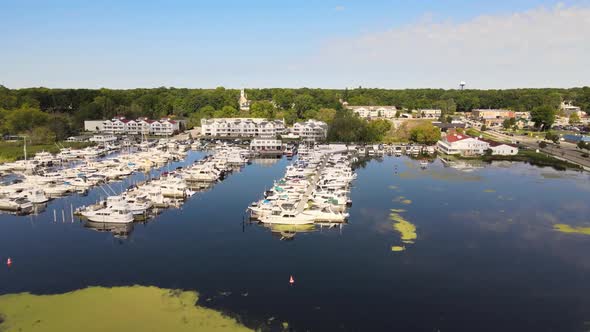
291	280
9	261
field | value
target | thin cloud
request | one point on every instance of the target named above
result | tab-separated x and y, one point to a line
535	48
339	8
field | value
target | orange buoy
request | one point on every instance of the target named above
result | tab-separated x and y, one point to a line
291	280
9	261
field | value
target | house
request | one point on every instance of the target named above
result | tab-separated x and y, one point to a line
523	115
311	130
462	144
430	113
502	149
568	109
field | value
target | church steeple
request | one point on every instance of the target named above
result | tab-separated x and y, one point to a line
244	102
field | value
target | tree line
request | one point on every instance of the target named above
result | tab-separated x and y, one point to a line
61	112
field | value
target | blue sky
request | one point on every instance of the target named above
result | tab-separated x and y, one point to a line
126	44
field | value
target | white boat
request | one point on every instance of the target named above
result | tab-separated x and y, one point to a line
287	218
110	214
20	205
35	196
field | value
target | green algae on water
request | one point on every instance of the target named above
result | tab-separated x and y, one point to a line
135	308
489	191
403	200
569	229
406	228
397	248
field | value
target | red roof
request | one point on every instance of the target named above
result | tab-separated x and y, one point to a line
456	137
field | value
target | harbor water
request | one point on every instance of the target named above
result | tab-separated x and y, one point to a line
486	256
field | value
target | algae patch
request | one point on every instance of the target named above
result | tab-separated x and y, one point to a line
569	229
403	200
406	228
489	191
134	308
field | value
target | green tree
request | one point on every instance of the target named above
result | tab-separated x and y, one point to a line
263	109
303	103
552	137
543	117
326	115
25	119
574	118
226	112
425	133
347	127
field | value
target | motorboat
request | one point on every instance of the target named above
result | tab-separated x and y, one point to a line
118	214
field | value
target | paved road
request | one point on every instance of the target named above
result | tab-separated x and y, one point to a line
564	150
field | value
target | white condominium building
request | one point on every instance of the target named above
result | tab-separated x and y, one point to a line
311	130
121	125
430	113
242	127
387	112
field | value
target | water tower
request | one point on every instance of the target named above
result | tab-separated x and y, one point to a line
462	85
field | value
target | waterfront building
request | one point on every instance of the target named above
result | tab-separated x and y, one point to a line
462	144
267	146
502	149
242	127
311	130
119	125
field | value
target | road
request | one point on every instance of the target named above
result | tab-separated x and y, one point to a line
564	150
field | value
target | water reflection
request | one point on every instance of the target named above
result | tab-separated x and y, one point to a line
121	231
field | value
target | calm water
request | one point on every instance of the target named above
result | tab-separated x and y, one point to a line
486	257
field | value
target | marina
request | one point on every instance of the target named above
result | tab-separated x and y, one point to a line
352	260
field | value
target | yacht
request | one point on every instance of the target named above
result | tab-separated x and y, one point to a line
110	214
19	205
287	218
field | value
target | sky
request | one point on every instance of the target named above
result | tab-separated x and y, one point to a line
294	43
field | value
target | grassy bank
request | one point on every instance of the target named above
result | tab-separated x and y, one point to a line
11	151
534	158
527	156
134	308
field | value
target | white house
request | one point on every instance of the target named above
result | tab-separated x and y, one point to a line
311	130
501	149
462	144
